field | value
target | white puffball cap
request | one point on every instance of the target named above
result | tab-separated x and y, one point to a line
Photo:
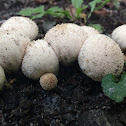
12	49
99	56
119	35
66	40
2	78
89	30
39	59
22	24
48	81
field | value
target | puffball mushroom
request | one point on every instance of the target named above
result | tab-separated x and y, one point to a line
22	24
48	81
89	30
2	78
99	56
12	49
66	40
119	35
39	60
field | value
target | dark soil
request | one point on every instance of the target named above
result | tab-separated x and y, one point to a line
77	101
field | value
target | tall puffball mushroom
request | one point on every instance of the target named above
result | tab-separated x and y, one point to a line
22	24
41	62
119	35
12	49
89	30
66	40
100	55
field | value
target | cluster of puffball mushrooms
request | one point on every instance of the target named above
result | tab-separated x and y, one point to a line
97	54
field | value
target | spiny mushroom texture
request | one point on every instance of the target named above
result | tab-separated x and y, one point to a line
100	55
119	35
39	59
22	24
48	81
12	49
66	40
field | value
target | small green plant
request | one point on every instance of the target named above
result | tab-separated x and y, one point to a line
39	12
115	88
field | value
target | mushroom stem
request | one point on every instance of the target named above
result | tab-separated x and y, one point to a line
48	81
3	80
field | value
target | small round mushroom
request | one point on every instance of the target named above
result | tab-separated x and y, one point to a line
99	56
48	81
12	49
66	40
89	30
119	35
22	24
40	59
2	78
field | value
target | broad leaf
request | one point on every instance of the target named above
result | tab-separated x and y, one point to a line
31	11
37	16
114	88
25	12
77	3
55	11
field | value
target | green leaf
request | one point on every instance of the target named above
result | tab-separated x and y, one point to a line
77	3
114	88
39	11
102	4
79	10
99	27
55	11
37	16
25	12
93	4
67	14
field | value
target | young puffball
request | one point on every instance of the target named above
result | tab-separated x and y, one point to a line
22	24
41	62
66	40
100	55
2	78
89	30
12	49
119	35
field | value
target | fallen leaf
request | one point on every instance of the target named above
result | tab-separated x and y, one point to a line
102	12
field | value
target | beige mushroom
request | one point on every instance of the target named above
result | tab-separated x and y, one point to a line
89	30
39	60
22	24
12	49
2	78
66	40
48	81
100	55
119	35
